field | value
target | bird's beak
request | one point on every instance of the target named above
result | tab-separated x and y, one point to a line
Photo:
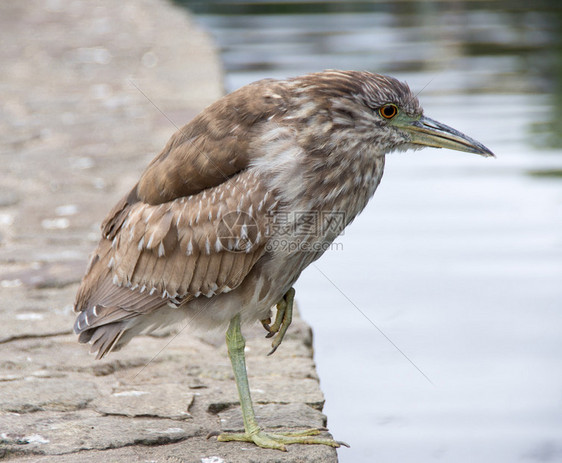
427	132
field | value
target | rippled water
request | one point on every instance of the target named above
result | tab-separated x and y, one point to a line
458	259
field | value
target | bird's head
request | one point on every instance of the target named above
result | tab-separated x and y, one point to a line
383	111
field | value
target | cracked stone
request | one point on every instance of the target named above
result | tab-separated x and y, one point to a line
166	400
267	390
47	275
272	416
85	430
72	152
34	394
9	198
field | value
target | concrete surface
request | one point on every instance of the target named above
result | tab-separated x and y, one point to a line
90	92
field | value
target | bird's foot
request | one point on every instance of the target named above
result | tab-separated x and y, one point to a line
277	440
283	320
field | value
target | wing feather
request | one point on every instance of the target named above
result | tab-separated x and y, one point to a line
197	280
157	257
195	223
210	285
224	269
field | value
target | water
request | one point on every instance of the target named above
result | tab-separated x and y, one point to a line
458	259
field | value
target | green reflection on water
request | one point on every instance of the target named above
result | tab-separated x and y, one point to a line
526	33
550	131
548	173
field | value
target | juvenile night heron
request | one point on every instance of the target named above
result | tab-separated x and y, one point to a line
218	228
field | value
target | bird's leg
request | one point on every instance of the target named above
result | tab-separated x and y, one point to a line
253	433
283	320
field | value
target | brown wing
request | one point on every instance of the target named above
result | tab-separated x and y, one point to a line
195	246
193	226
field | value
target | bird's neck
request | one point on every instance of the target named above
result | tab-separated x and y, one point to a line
337	178
344	186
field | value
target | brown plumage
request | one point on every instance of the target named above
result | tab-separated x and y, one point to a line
312	144
160	248
242	199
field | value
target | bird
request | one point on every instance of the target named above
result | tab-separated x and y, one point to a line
238	203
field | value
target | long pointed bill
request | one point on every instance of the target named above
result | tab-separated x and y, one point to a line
427	132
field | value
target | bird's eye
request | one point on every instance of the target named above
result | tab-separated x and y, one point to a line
388	111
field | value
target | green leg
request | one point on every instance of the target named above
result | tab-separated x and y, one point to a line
253	433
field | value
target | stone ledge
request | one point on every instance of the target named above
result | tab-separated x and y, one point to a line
76	132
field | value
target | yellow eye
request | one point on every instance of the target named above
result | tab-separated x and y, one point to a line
388	111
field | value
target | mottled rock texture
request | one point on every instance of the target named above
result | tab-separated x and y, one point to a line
90	92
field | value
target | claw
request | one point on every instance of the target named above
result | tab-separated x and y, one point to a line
283	320
278	440
281	309
265	323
